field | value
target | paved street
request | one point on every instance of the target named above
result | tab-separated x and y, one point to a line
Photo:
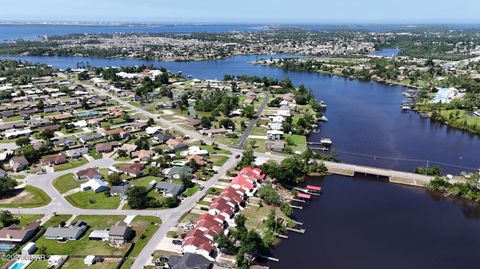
243	139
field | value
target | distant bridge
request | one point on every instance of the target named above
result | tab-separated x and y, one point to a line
393	176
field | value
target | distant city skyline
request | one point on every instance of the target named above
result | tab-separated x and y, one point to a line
246	11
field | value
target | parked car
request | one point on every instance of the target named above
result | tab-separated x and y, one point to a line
177	242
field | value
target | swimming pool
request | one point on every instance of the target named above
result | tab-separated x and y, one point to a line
6	247
20	264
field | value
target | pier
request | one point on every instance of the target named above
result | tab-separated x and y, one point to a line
393	176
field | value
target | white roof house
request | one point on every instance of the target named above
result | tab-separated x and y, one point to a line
90	260
152	130
195	150
94	184
80	124
29	248
16	133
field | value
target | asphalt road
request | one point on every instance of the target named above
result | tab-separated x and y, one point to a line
243	139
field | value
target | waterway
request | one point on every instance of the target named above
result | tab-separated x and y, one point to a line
360	222
365	123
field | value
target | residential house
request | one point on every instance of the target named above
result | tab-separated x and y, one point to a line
176	172
133	170
64	142
119	191
56	261
88	138
14	235
89	173
72	232
106	147
128	148
176	144
189	260
54	160
16	133
274	134
18	163
76	153
143	155
197	243
162	138
212	132
94	184
169	189
194	123
117	234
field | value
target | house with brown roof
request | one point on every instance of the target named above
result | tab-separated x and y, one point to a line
13	234
18	163
133	170
143	155
176	144
54	160
106	147
89	173
193	122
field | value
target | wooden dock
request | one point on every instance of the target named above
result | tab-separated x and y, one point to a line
300	231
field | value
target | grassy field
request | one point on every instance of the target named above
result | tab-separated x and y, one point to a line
56	220
191	191
95	154
189	217
77	263
91	200
218	160
39	264
211	149
299	142
143	181
84	246
256	215
460	117
25	219
67	182
144	227
14	118
27	198
259	131
70	164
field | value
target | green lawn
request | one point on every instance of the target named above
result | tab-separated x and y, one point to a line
14	118
145	227
463	116
259	131
38	264
74	163
100	222
219	160
211	149
191	191
56	220
84	246
27	198
91	200
299	141
95	154
77	263
143	181
67	182
26	219
188	217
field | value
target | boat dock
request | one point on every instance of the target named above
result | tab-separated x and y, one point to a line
300	231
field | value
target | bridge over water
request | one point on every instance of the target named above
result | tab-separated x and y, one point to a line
392	175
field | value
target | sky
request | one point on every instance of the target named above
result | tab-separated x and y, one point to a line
244	11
